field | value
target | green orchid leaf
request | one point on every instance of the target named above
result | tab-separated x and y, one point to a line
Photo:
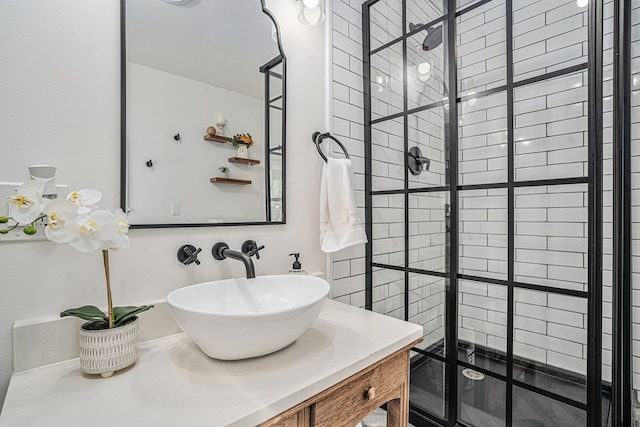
122	315
87	312
96	325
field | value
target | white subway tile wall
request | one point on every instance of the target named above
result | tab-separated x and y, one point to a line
427	231
548	35
483	233
388	231
482	133
388	292
427	307
481	48
387	155
426	131
551	142
550	128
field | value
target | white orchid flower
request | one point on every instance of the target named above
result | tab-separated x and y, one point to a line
121	240
61	227
27	203
95	229
85	199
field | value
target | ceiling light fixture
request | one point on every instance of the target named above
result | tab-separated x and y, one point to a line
311	12
582	3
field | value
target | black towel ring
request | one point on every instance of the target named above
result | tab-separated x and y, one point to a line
317	139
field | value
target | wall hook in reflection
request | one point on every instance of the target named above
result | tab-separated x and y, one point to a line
149	163
176	137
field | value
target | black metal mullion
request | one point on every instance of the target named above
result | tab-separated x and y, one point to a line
430	354
267	139
594	312
493	185
622	230
405	103
368	211
451	122
124	193
510	214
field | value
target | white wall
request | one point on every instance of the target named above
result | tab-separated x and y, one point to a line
60	105
159	105
347	118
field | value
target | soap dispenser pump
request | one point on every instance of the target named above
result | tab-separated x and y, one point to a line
296	268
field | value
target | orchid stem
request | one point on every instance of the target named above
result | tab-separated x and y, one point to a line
105	258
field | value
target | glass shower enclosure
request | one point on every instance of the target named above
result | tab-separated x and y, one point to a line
489	186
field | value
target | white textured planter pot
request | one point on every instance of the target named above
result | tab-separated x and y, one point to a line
105	351
243	151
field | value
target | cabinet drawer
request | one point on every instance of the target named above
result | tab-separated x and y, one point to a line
354	398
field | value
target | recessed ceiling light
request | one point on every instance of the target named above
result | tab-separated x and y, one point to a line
176	1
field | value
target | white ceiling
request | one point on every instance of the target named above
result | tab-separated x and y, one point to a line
219	42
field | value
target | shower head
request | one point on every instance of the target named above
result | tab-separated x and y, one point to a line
433	38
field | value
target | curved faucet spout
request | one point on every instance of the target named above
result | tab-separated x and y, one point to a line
221	251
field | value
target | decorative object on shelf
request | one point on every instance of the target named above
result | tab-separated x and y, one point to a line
211	131
243	141
225	171
220	123
108	341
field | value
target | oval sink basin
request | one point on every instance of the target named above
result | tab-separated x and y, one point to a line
242	318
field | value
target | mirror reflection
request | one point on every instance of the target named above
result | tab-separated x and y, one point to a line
204	105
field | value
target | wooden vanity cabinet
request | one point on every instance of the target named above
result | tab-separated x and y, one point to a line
350	401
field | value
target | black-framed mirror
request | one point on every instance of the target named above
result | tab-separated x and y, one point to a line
187	66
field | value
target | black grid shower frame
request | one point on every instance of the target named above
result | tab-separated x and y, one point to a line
594	181
622	228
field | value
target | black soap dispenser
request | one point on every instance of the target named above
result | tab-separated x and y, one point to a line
296	268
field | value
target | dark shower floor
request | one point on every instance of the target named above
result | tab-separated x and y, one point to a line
483	402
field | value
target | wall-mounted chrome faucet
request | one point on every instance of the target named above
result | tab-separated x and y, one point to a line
249	248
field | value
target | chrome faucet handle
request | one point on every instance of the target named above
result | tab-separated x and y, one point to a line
188	254
251	248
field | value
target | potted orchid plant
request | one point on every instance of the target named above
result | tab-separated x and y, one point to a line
78	222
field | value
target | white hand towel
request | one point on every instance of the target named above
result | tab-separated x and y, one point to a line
340	225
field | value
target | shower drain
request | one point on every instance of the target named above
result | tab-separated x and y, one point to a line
473	375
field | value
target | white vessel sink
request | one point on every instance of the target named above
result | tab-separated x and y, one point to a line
242	318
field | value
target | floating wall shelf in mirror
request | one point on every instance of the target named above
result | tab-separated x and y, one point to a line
184	66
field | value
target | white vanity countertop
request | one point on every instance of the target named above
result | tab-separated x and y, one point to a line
175	384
